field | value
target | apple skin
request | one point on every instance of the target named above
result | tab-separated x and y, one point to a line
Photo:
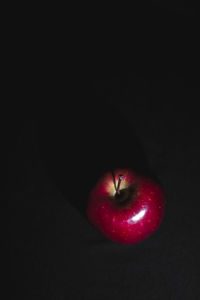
131	217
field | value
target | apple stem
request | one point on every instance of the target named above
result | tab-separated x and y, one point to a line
118	185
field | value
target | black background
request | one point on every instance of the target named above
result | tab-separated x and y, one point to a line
81	117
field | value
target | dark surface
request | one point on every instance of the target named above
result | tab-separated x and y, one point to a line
92	121
55	252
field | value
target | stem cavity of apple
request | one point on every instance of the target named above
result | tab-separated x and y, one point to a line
118	185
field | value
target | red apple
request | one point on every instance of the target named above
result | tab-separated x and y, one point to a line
125	206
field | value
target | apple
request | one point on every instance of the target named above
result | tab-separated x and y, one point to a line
125	206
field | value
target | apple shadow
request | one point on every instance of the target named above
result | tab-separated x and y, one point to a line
79	144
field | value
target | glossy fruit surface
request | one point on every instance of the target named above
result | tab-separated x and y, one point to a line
132	214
